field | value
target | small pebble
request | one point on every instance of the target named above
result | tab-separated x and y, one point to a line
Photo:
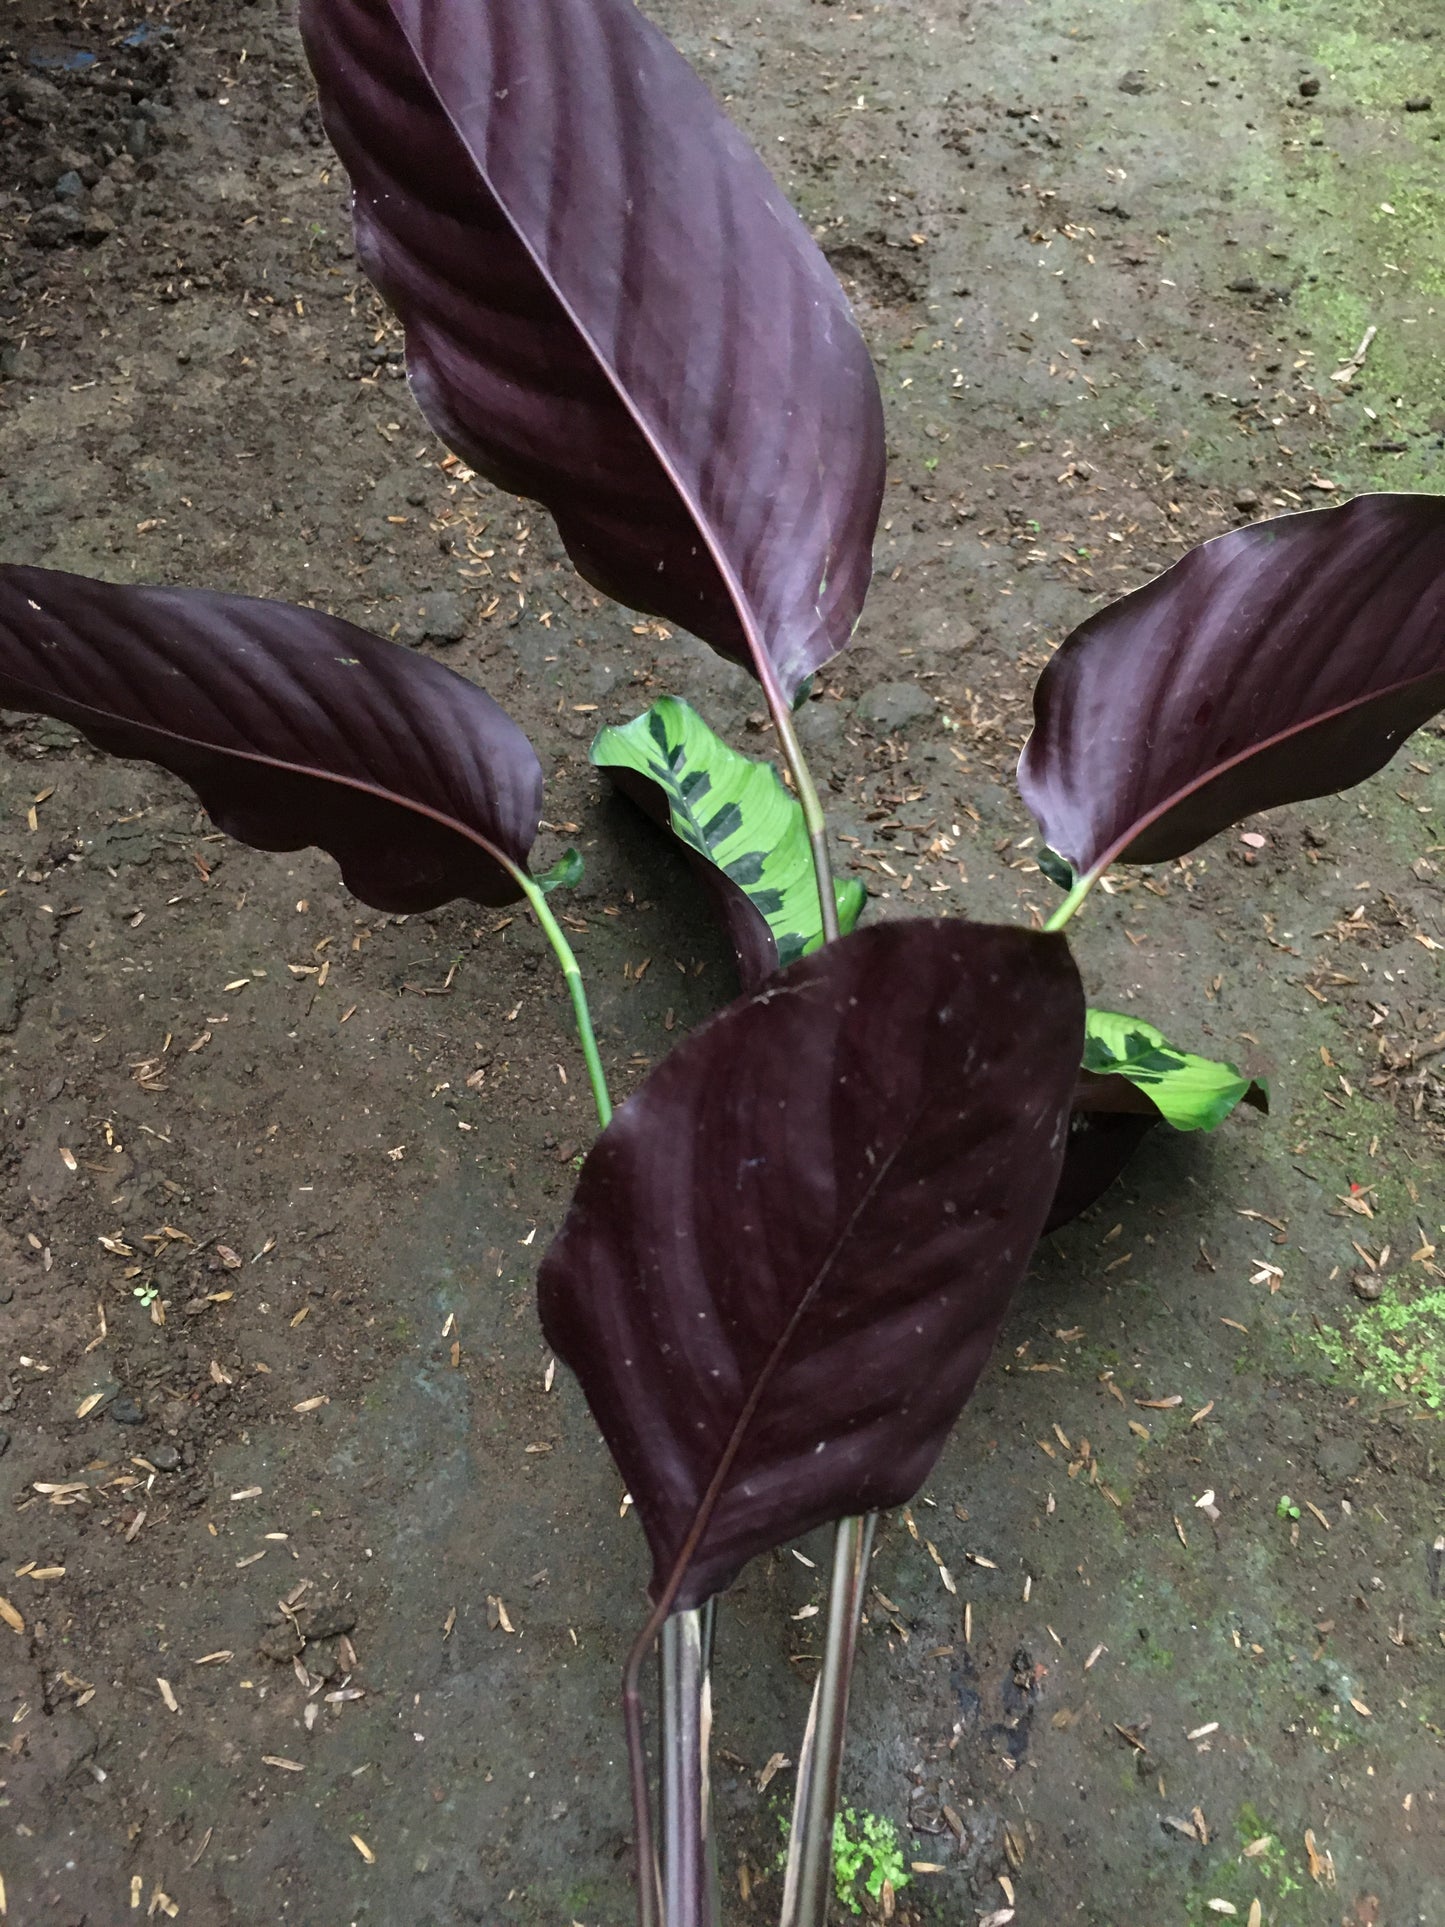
55	226
439	617
124	1410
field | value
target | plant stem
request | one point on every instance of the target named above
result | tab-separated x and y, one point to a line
1073	901
649	1881
688	1897
809	1877
808	1880
537	897
649	1895
689	1867
813	818
810	1849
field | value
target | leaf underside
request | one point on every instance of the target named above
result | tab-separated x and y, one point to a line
789	1253
610	307
1100	1144
292	727
1279	662
742	831
1133	1078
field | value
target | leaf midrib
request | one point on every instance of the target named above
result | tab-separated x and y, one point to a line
707	1505
742	606
1266	743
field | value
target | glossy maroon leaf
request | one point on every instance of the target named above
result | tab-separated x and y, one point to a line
1279	662
1100	1144
1110	1119
291	726
789	1253
610	306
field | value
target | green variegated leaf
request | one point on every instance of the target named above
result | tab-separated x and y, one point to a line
1191	1093
739	825
1055	868
565	874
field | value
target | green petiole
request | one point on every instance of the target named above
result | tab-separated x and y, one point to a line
586	1036
814	820
1073	901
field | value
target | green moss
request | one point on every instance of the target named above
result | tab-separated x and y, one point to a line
1335	1730
1381	68
1412	231
1266	1875
1249	1824
1271	1861
1346	219
1396	1346
865	1848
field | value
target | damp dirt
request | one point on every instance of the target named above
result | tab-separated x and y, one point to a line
318	1583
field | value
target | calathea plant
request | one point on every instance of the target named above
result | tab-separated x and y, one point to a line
1273	664
791	1250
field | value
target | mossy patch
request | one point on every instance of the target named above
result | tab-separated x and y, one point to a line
866	1851
1343	223
1396	1346
1263	1873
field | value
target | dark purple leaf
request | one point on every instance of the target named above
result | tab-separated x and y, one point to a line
292	727
1110	1119
789	1253
611	307
1101	1142
1282	661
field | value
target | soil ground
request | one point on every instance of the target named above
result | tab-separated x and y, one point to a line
317	1593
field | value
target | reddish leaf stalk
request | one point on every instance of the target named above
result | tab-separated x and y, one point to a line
642	1646
842	1644
648	1896
651	1909
689	1861
810	1847
820	1765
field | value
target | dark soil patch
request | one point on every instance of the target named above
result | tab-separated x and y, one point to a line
272	1397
